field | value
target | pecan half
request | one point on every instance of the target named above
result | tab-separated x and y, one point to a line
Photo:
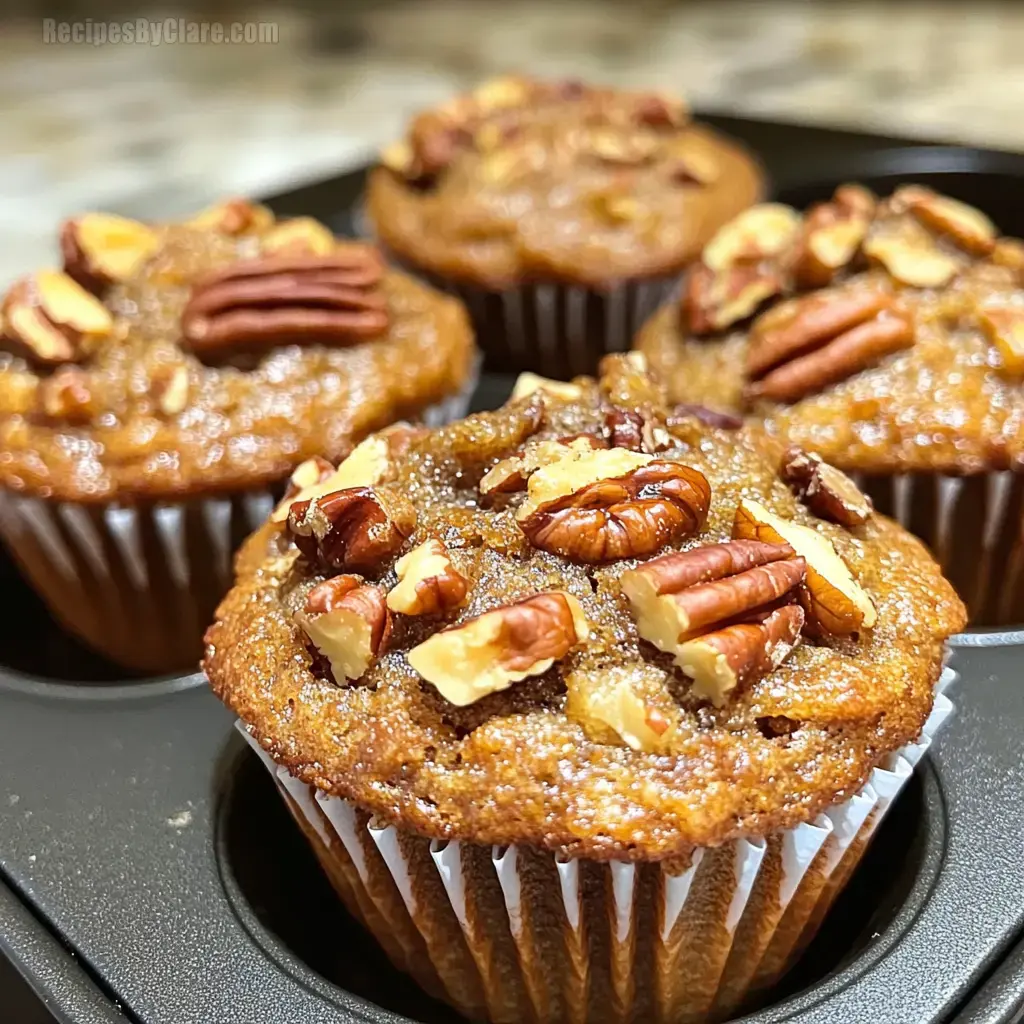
832	235
347	622
1003	323
428	582
100	248
492	651
702	593
833	600
50	319
733	658
806	344
354	529
740	268
288	300
824	490
611	504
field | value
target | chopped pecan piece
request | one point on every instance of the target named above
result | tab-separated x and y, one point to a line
428	582
806	344
100	248
368	464
832	235
833	600
348	623
492	651
233	217
740	268
709	417
616	706
627	428
511	474
826	491
968	228
609	504
299	235
527	383
732	658
170	388
66	396
288	300
50	319
353	529
701	594
1004	325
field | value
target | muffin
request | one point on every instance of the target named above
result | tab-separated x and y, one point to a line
586	713
156	393
886	336
562	214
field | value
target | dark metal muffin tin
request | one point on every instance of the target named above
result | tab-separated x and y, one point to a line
150	874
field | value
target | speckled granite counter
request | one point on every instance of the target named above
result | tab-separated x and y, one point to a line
154	130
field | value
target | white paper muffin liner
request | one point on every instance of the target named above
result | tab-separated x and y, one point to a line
140	583
558	330
512	933
974	526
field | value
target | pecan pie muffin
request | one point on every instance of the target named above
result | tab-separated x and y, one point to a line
157	391
561	213
586	711
888	337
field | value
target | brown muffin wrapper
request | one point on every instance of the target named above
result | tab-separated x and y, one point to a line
558	330
974	525
510	934
141	583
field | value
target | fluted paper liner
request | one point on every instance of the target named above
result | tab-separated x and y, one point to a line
973	526
512	933
558	330
140	583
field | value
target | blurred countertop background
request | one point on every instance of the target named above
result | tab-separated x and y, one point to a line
152	131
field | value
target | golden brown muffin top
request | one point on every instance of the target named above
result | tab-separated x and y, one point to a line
523	181
888	336
205	356
582	623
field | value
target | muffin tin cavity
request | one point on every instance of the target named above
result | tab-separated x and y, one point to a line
305	928
32	644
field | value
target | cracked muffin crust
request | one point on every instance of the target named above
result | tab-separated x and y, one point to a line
190	359
886	335
524	180
452	630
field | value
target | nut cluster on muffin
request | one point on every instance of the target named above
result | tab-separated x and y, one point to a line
583	622
211	354
157	390
844	322
887	336
525	179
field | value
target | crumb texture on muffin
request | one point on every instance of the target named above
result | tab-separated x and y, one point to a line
211	355
523	180
514	685
885	335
